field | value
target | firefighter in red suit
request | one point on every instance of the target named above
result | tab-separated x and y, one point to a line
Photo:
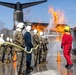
66	45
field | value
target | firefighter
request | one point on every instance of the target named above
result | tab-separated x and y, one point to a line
8	50
43	49
18	40
28	46
2	47
7	55
36	42
66	45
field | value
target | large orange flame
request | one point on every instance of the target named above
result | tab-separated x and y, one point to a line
58	21
57	16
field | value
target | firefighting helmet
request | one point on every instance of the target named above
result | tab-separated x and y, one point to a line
67	28
11	40
2	35
20	25
28	28
35	31
7	39
1	41
41	33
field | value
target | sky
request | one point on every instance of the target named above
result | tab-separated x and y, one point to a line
39	12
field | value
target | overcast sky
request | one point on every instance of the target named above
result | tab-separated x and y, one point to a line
40	12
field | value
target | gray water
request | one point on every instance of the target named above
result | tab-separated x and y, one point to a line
54	47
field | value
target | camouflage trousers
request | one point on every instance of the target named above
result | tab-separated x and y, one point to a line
5	53
1	52
36	56
8	53
42	56
18	55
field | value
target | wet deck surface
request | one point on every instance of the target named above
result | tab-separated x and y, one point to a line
51	68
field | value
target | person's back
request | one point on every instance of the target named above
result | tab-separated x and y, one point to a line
36	40
19	38
67	39
27	39
28	46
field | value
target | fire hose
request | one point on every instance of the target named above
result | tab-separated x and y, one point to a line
23	50
28	52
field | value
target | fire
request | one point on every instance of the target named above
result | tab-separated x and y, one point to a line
15	61
39	27
57	17
58	21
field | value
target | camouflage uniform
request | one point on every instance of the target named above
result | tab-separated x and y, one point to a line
8	53
3	48
18	40
43	50
36	41
1	51
40	50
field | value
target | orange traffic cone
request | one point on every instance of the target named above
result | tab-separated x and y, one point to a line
59	65
15	61
58	57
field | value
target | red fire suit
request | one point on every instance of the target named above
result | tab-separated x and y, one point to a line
67	46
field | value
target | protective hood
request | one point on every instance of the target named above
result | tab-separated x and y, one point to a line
28	28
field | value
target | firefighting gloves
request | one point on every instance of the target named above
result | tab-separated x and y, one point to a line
11	40
61	47
43	36
25	49
40	42
7	39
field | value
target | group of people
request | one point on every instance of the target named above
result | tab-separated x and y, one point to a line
28	42
5	50
31	41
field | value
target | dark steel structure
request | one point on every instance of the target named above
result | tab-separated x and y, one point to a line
18	13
